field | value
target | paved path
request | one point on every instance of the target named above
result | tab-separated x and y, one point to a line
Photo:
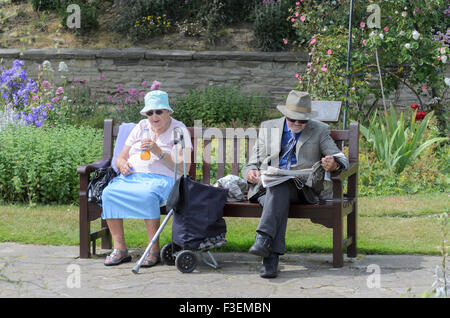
56	271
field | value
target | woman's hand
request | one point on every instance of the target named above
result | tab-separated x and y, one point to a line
149	144
126	168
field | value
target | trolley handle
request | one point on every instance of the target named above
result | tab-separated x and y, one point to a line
179	140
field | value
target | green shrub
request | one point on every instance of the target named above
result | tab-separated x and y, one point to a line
397	143
219	106
42	5
134	12
38	165
271	24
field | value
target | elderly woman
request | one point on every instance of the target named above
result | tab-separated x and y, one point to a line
146	178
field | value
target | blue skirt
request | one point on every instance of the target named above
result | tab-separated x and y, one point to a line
136	196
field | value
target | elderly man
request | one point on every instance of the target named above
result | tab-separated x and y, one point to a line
293	142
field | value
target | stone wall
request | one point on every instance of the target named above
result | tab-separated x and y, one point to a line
263	74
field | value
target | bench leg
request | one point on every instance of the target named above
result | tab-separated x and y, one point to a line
84	235
351	232
338	257
107	239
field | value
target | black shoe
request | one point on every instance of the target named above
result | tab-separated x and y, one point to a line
269	266
262	246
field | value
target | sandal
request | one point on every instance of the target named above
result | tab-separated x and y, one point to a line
151	261
117	257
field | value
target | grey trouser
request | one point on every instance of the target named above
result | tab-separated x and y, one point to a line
275	212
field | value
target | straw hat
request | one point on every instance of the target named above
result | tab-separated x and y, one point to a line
298	106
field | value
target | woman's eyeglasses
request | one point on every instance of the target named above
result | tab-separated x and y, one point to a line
157	112
294	120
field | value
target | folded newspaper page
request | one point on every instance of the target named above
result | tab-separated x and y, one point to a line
273	176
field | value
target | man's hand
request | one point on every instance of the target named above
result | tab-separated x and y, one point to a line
329	164
253	176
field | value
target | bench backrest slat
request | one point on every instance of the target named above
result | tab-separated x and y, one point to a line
227	144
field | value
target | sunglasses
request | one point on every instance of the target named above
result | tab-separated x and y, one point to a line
157	112
294	120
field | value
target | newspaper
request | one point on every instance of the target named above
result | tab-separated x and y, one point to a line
273	176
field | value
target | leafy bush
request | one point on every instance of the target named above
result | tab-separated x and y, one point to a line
134	12
42	5
89	11
397	143
218	106
146	27
39	165
271	26
406	41
425	175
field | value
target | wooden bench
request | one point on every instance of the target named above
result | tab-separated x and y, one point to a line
330	213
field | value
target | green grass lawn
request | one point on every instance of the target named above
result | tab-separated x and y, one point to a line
386	225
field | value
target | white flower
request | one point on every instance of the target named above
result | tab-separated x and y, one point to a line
47	66
442	50
373	33
404	14
447	81
402	33
408	46
444	59
415	35
381	36
63	67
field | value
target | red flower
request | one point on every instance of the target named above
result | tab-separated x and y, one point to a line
420	115
414	106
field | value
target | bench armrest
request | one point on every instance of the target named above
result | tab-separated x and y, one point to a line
341	176
87	169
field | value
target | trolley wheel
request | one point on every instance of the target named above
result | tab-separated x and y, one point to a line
168	253
186	261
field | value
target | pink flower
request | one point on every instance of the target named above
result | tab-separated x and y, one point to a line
309	63
101	77
386	29
144	83
329	52
292	20
46	84
362	25
285	41
424	88
119	87
296	14
297	3
35	97
324	69
364	42
60	91
55	99
302	18
75	80
313	41
109	97
132	91
155	85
